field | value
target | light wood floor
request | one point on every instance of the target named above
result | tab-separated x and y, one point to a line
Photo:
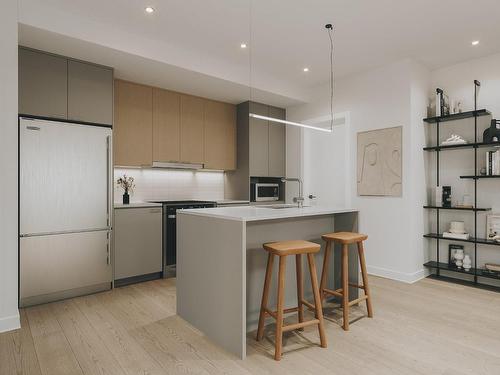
429	327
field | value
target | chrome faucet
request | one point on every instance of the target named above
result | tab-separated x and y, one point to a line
300	199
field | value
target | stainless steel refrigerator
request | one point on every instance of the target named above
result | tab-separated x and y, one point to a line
65	210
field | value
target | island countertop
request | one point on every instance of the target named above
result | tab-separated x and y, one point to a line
258	213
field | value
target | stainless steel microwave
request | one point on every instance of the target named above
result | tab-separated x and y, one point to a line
265	192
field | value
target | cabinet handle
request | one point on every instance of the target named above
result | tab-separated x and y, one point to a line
107	251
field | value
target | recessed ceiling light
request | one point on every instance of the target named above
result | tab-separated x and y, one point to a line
243	45
149	10
475	42
305	69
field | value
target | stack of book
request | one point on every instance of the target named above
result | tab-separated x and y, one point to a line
493	163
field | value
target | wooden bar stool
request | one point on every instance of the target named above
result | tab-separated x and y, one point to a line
282	250
346	238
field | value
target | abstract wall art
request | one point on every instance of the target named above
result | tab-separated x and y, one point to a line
380	162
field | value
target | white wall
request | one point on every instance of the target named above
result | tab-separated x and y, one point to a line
162	184
9	315
393	95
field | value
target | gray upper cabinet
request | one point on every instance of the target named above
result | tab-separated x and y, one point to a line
266	142
57	87
258	138
90	93
277	141
43	81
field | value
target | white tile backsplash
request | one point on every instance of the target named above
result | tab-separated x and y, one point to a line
163	184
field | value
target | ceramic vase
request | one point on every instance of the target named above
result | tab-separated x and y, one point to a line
467	263
126	197
459	256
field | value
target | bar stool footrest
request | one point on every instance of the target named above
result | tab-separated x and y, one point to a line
293	327
337	293
274	314
358	300
357	286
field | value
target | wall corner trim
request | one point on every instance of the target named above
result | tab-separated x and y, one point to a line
408	278
10	323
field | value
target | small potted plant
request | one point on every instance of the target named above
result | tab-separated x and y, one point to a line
127	184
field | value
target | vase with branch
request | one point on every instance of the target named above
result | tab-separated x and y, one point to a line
127	184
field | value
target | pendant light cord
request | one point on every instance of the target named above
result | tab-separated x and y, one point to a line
329	27
250	46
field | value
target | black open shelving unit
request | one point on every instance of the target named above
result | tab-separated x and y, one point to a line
438	266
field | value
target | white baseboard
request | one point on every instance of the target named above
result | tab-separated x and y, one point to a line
10	323
408	278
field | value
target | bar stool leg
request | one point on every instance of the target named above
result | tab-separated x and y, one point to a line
364	274
265	296
324	272
345	285
279	312
317	299
300	287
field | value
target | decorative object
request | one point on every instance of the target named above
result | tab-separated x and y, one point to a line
492	226
127	184
439	196
452	249
456	236
455	139
380	162
482	172
457	227
467	263
442	103
492	134
493	163
467	201
459	256
492	267
446	200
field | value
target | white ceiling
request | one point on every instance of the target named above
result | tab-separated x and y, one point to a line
198	40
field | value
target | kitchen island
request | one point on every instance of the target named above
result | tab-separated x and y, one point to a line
221	264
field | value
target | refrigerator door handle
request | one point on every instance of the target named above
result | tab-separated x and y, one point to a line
42	234
108	178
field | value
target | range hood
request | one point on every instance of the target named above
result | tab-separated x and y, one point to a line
164	165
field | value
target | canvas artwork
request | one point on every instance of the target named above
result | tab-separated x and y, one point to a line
380	162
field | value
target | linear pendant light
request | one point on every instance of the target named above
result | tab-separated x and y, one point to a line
289	122
329	27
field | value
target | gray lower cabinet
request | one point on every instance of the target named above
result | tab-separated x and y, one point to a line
43	81
137	242
90	93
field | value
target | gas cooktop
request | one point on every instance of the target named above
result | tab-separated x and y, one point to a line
183	202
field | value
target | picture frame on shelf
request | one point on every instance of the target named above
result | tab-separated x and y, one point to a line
452	249
492	226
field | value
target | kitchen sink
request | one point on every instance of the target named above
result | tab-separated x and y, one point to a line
280	206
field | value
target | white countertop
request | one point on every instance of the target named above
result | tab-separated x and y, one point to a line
137	205
257	213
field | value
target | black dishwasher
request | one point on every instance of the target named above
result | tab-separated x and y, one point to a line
170	230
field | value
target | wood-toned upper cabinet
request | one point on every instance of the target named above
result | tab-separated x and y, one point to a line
90	93
192	129
166	126
43	81
133	128
220	135
277	141
258	138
